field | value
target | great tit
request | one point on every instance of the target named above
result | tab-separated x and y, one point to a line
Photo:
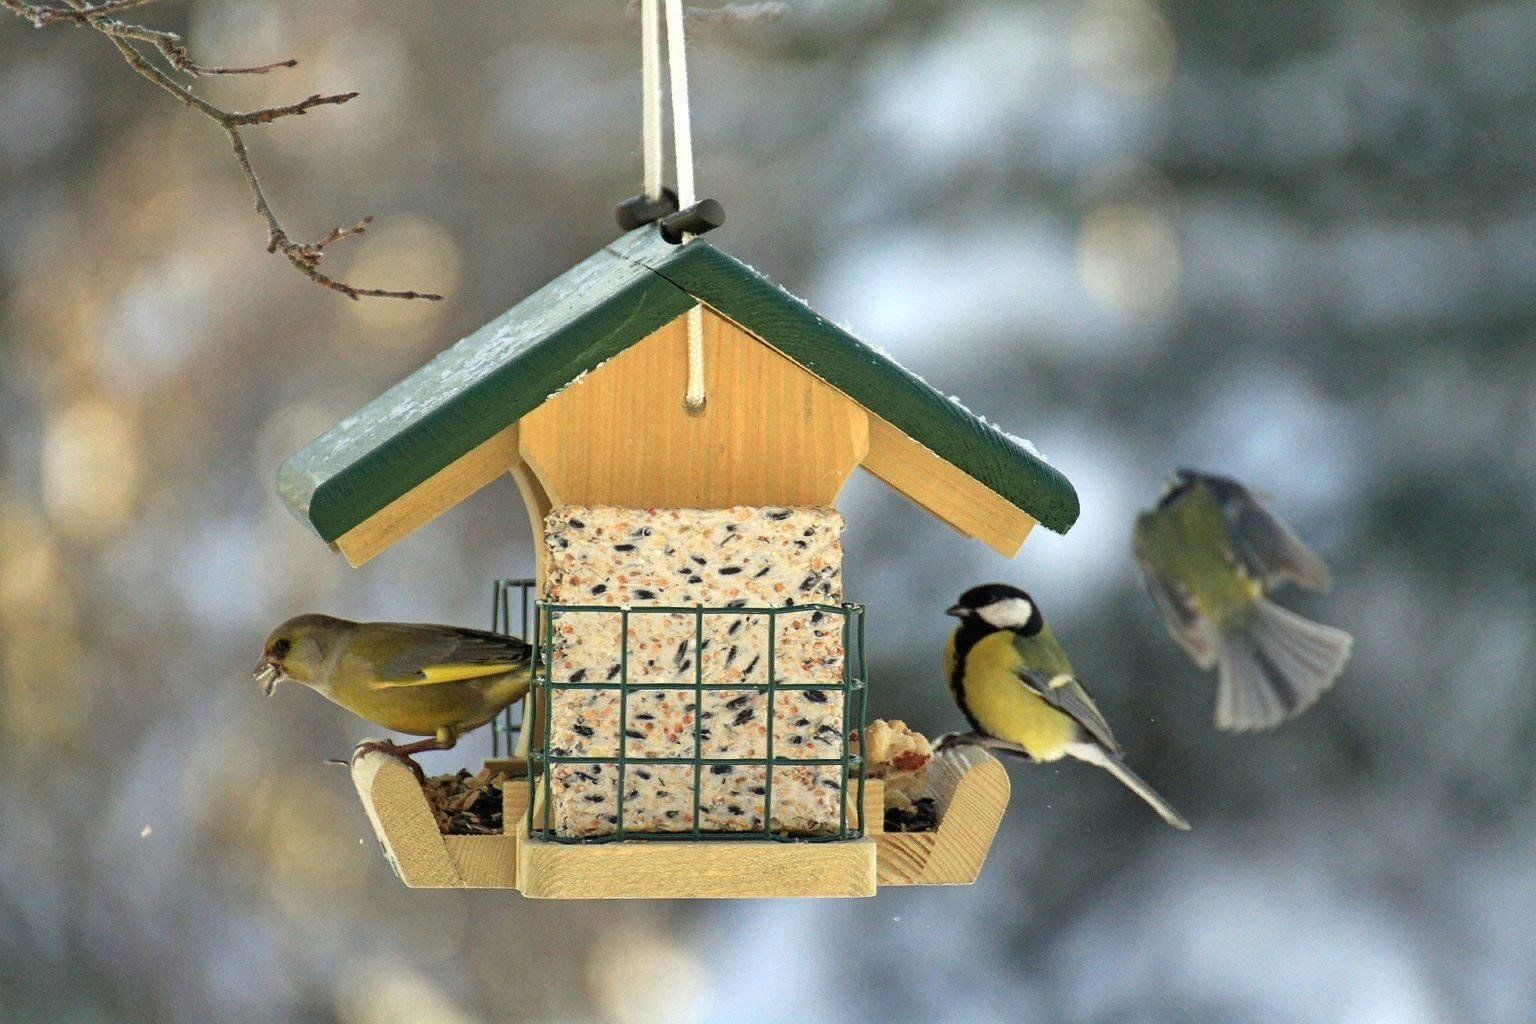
1209	553
434	681
1015	686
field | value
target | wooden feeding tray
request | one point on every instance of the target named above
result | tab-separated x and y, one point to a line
969	786
970	791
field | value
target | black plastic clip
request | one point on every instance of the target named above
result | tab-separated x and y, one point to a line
641	209
704	215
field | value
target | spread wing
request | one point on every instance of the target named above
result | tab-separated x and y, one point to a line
1066	694
1184	622
1266	546
427	655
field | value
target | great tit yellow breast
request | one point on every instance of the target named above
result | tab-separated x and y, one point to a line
999	702
1189	545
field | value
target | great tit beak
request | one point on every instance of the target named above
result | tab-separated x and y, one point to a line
957	610
267	674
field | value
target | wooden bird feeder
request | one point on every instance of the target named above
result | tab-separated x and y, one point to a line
577	393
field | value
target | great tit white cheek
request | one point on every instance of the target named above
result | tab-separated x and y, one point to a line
1009	613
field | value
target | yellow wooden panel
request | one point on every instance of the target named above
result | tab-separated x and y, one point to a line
403	822
484	862
538	505
970	790
946	492
516	767
637	869
432	497
770	434
873	811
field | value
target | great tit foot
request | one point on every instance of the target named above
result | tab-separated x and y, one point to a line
992	744
951	740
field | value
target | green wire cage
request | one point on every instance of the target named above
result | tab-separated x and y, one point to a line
512	601
844	772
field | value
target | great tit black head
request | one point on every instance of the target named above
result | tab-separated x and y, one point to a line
998	606
1223	488
1179	483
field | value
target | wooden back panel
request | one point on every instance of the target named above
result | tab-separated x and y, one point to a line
770	434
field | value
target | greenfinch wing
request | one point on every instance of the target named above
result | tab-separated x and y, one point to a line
429	655
434	674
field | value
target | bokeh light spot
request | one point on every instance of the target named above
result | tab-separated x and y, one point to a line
46	676
90	469
1128	258
389	992
29	564
1125	47
637	977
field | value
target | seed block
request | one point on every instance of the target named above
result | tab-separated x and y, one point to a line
680	665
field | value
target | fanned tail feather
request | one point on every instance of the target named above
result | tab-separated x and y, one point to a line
1273	665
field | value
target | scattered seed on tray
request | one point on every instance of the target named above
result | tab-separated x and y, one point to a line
922	816
465	804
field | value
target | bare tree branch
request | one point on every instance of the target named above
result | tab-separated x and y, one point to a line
304	256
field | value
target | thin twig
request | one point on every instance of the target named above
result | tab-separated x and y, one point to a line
44	15
304	256
269	114
170	46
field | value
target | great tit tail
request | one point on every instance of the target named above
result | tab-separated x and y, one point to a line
1093	753
1272	665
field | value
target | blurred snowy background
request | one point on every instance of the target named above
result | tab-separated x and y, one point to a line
1292	241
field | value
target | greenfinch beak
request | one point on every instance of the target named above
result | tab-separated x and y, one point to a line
267	674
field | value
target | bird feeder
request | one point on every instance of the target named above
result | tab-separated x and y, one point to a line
700	679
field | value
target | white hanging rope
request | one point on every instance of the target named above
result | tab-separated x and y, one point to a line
694	397
682	125
650	87
682	140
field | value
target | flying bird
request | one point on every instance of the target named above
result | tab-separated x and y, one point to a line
433	681
1015	686
1209	554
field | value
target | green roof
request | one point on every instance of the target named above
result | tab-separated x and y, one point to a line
590	314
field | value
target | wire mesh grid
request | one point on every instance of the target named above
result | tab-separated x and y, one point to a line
512	601
848	766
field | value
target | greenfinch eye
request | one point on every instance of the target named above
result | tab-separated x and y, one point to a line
281	647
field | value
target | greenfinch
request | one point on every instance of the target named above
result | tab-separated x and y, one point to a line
1209	553
434	681
1015	686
